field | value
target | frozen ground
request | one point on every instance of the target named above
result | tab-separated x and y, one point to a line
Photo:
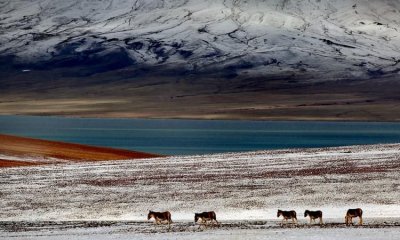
182	230
240	187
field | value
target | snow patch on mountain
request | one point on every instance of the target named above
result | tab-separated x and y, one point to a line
314	39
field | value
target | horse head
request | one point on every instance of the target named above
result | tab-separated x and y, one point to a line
150	215
306	213
279	213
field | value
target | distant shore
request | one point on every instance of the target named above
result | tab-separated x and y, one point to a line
273	101
207	118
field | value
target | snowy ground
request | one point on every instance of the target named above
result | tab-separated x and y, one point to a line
240	187
184	230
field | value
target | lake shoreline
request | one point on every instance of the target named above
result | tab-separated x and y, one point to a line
316	119
23	151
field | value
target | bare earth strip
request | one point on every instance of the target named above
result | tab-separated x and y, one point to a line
22	151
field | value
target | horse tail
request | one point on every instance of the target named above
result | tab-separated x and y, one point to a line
213	215
169	217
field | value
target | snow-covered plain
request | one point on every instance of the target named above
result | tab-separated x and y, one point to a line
189	231
238	186
245	190
321	39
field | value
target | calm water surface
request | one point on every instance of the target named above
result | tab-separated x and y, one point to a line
182	137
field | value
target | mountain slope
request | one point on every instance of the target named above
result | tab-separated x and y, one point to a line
340	39
217	46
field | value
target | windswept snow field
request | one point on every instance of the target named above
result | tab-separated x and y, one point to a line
244	189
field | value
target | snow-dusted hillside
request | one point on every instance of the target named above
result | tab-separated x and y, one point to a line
317	39
238	186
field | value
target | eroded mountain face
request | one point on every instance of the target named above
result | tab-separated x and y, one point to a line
302	40
254	59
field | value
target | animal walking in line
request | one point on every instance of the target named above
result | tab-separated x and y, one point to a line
314	215
205	217
160	217
353	213
288	215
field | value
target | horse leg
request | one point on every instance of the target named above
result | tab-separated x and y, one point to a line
156	223
361	221
218	224
200	223
320	221
155	226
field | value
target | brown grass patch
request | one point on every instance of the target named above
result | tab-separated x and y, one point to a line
110	182
351	169
11	163
22	146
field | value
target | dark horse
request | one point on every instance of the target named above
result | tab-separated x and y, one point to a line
160	217
314	215
206	216
353	213
288	215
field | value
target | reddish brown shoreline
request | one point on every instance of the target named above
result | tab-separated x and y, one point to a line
12	163
29	147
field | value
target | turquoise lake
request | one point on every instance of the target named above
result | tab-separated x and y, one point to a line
183	137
